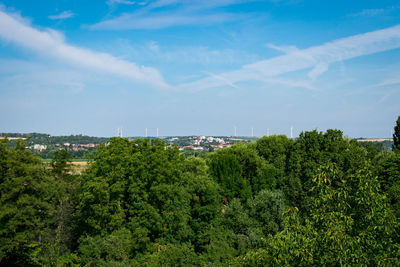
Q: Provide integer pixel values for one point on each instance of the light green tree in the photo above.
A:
(349, 225)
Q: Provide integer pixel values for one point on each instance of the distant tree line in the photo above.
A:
(45, 139)
(49, 152)
(321, 199)
(55, 143)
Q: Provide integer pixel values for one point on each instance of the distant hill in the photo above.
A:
(46, 139)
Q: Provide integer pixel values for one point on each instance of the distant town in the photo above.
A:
(81, 146)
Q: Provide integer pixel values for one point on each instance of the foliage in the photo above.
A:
(150, 190)
(321, 199)
(373, 149)
(227, 171)
(349, 225)
(389, 174)
(26, 206)
(111, 250)
(396, 135)
(46, 139)
(312, 150)
(172, 255)
(275, 150)
(241, 172)
(267, 209)
(60, 162)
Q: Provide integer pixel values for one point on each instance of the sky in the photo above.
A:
(199, 67)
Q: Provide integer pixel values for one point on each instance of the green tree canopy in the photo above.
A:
(313, 149)
(275, 149)
(350, 224)
(396, 135)
(226, 169)
(150, 190)
(27, 196)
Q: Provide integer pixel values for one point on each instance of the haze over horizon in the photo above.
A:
(199, 67)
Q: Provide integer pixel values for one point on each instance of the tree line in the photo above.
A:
(321, 199)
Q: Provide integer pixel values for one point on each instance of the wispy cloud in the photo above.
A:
(369, 13)
(152, 51)
(225, 81)
(385, 97)
(318, 58)
(160, 21)
(284, 49)
(388, 82)
(63, 15)
(51, 43)
(125, 2)
(169, 13)
(319, 69)
(196, 4)
(375, 12)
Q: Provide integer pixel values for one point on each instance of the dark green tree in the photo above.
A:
(60, 162)
(27, 196)
(226, 169)
(110, 250)
(275, 150)
(389, 175)
(373, 150)
(255, 169)
(152, 191)
(396, 135)
(241, 172)
(282, 157)
(65, 232)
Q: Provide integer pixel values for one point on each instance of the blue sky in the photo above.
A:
(199, 67)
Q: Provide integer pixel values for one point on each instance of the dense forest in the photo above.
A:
(321, 199)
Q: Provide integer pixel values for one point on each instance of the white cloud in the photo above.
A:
(125, 2)
(385, 97)
(63, 15)
(284, 49)
(152, 15)
(388, 81)
(198, 4)
(319, 69)
(52, 44)
(369, 13)
(218, 77)
(375, 12)
(179, 55)
(160, 21)
(317, 57)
